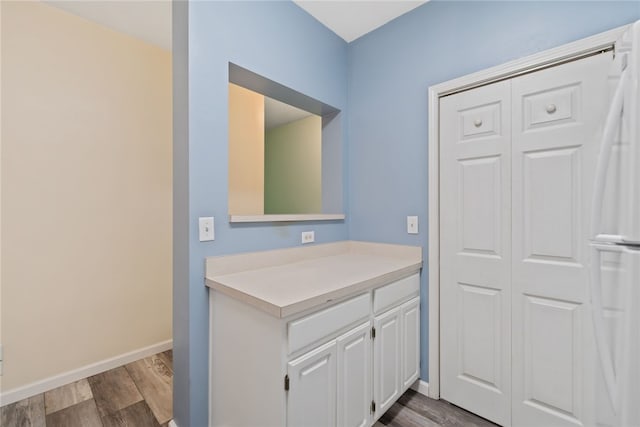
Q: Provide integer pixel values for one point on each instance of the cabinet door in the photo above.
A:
(410, 342)
(387, 360)
(311, 399)
(354, 377)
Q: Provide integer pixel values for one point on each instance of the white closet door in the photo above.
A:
(558, 116)
(475, 251)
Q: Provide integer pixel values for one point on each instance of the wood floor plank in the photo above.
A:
(441, 411)
(114, 390)
(401, 416)
(136, 415)
(67, 395)
(433, 409)
(155, 382)
(24, 413)
(167, 359)
(140, 395)
(461, 418)
(84, 414)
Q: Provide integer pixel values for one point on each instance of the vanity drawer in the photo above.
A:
(329, 321)
(390, 295)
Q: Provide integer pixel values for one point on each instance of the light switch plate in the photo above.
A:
(205, 225)
(412, 224)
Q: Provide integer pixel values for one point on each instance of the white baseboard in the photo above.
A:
(16, 394)
(172, 424)
(421, 387)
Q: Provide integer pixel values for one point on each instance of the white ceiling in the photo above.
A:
(146, 20)
(151, 20)
(278, 113)
(351, 19)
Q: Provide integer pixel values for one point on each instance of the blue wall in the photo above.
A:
(384, 76)
(281, 42)
(390, 71)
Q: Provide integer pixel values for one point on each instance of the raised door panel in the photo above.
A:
(410, 342)
(552, 338)
(551, 197)
(480, 211)
(311, 399)
(479, 337)
(354, 377)
(475, 250)
(387, 360)
(556, 132)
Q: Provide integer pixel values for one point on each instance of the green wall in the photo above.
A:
(293, 167)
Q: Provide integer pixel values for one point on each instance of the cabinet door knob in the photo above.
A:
(477, 123)
(551, 108)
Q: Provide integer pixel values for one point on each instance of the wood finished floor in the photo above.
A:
(135, 395)
(140, 395)
(415, 410)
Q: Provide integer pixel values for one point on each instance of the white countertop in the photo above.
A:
(288, 281)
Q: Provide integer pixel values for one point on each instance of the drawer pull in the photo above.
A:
(477, 123)
(551, 108)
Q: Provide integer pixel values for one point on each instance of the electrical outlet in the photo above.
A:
(308, 237)
(205, 225)
(1, 359)
(412, 224)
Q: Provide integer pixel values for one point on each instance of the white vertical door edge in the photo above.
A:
(434, 245)
(509, 69)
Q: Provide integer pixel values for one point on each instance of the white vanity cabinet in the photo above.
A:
(396, 352)
(410, 342)
(387, 359)
(330, 385)
(311, 386)
(354, 377)
(341, 362)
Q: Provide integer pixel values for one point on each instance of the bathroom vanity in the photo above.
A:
(326, 335)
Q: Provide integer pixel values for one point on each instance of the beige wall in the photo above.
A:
(246, 151)
(86, 193)
(293, 167)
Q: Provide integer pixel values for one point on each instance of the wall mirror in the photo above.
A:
(285, 153)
